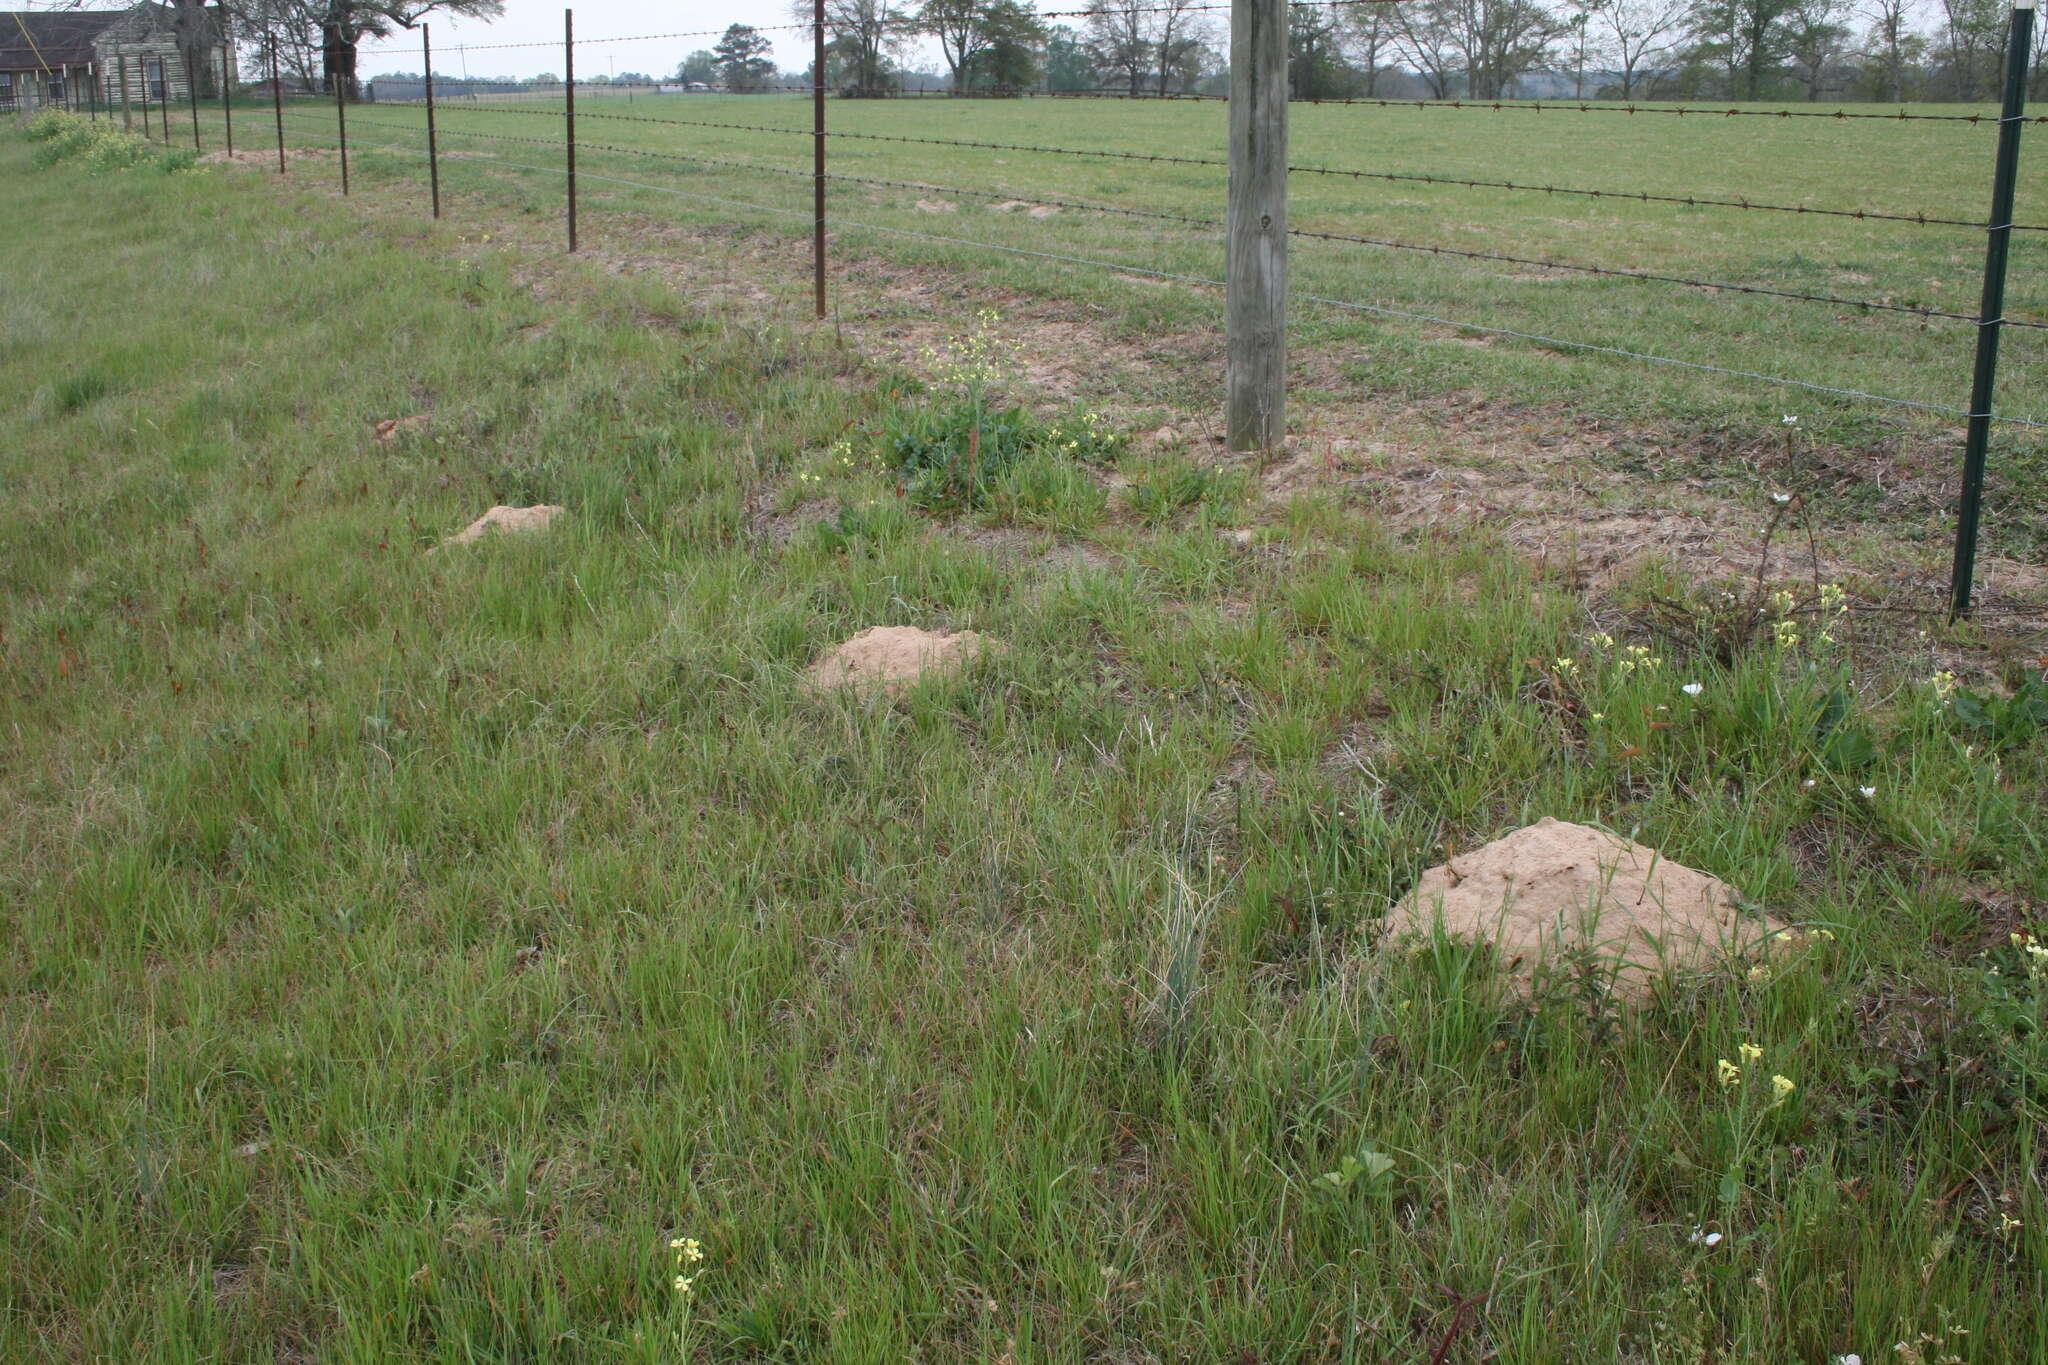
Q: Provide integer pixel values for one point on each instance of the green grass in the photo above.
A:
(401, 949)
(1937, 169)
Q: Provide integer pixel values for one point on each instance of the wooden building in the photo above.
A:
(81, 59)
(144, 49)
(46, 58)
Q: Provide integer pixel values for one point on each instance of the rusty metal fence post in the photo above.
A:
(340, 81)
(192, 98)
(227, 96)
(2019, 49)
(277, 104)
(569, 91)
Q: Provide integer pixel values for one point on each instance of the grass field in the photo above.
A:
(400, 950)
(1937, 169)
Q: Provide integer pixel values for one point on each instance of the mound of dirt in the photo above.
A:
(505, 519)
(890, 659)
(391, 428)
(1555, 888)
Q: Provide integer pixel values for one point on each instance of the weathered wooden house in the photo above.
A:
(80, 58)
(148, 47)
(47, 58)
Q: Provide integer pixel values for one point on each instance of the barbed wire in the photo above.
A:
(883, 92)
(1575, 106)
(1348, 305)
(904, 24)
(1213, 224)
(1403, 177)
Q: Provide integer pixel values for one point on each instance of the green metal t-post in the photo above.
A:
(1991, 314)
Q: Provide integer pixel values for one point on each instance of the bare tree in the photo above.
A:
(1641, 31)
(1814, 39)
(1423, 40)
(1178, 28)
(1972, 34)
(1118, 39)
(865, 35)
(1488, 42)
(1367, 33)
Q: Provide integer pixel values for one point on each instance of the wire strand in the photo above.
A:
(1347, 305)
(1405, 177)
(1867, 305)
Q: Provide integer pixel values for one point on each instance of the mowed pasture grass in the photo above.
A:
(1939, 169)
(401, 949)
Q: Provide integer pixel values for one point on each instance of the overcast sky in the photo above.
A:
(535, 21)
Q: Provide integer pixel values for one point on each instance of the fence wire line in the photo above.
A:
(1574, 106)
(878, 92)
(1628, 196)
(1217, 225)
(1348, 305)
(905, 24)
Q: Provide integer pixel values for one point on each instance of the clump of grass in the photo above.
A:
(77, 391)
(951, 446)
(1172, 487)
(99, 145)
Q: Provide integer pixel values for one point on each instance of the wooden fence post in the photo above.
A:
(1256, 308)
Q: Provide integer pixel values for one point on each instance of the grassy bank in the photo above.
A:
(731, 159)
(401, 950)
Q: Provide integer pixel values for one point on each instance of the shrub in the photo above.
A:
(99, 144)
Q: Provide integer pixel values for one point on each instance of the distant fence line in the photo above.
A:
(1255, 226)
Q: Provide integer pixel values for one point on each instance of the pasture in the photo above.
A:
(401, 950)
(1934, 168)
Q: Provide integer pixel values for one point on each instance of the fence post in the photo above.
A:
(227, 95)
(192, 98)
(569, 91)
(1991, 313)
(64, 75)
(277, 104)
(818, 155)
(433, 159)
(1256, 306)
(163, 96)
(340, 81)
(127, 110)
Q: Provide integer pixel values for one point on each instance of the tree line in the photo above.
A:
(1889, 51)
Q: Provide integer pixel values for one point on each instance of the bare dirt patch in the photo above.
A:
(1552, 893)
(892, 659)
(505, 520)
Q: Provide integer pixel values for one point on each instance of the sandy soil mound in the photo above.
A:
(892, 658)
(391, 428)
(1553, 887)
(506, 519)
